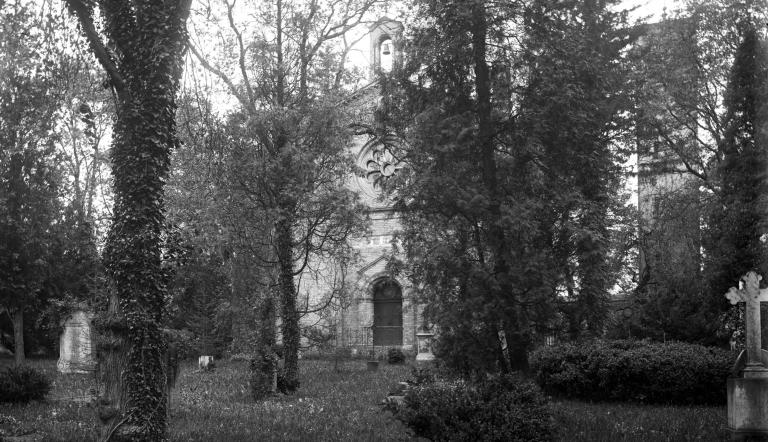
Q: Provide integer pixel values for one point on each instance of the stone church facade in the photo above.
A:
(380, 310)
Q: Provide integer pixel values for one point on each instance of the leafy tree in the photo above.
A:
(511, 194)
(141, 47)
(287, 158)
(29, 177)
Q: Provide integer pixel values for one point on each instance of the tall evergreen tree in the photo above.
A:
(572, 109)
(737, 222)
(513, 174)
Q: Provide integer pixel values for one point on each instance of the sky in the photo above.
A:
(652, 8)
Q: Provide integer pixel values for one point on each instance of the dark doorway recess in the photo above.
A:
(387, 312)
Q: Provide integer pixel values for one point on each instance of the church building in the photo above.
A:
(379, 311)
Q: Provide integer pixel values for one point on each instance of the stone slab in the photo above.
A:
(748, 408)
(75, 344)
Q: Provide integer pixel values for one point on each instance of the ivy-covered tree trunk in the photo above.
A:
(111, 351)
(264, 364)
(18, 335)
(289, 314)
(146, 43)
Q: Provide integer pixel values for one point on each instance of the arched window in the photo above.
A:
(387, 312)
(386, 55)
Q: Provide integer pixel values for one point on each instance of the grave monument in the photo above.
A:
(75, 349)
(748, 391)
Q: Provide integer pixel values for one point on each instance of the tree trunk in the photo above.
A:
(264, 365)
(112, 358)
(290, 316)
(18, 336)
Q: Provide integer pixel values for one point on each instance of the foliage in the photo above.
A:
(30, 178)
(395, 356)
(504, 408)
(199, 289)
(285, 158)
(686, 87)
(634, 371)
(23, 384)
(511, 200)
(263, 369)
(734, 242)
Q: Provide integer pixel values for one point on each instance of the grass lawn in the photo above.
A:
(330, 406)
(612, 422)
(216, 406)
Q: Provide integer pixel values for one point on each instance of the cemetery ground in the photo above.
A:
(331, 405)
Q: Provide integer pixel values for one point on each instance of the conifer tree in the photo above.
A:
(736, 223)
(512, 172)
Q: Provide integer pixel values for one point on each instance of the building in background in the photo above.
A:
(376, 310)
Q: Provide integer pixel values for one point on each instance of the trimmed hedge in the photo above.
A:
(634, 371)
(498, 409)
(23, 384)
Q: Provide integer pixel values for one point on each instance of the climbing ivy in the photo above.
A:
(141, 47)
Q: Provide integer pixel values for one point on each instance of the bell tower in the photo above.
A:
(386, 46)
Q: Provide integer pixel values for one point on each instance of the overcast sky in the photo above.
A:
(649, 7)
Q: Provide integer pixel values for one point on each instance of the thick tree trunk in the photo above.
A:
(18, 336)
(290, 316)
(112, 359)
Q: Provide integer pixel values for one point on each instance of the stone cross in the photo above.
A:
(751, 295)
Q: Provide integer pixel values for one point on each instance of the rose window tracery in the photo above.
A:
(380, 166)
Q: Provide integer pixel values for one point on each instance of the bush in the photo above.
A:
(498, 409)
(23, 384)
(395, 356)
(636, 371)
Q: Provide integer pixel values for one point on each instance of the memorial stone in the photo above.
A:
(75, 344)
(748, 392)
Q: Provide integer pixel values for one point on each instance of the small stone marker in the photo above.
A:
(748, 394)
(75, 344)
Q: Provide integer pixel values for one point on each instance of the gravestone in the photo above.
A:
(748, 392)
(75, 344)
(424, 345)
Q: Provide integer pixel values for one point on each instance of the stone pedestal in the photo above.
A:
(748, 408)
(75, 344)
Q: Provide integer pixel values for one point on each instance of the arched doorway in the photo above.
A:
(387, 312)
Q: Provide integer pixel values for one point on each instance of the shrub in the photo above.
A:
(23, 384)
(498, 409)
(636, 371)
(395, 356)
